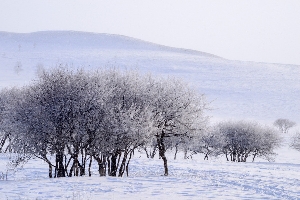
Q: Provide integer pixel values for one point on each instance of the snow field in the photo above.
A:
(188, 179)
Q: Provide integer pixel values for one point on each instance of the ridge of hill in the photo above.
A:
(84, 40)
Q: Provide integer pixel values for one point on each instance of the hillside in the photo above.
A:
(237, 90)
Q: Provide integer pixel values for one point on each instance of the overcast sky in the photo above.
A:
(254, 30)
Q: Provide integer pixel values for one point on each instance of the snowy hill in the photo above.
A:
(238, 90)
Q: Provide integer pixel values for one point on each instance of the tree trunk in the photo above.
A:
(185, 153)
(113, 165)
(60, 165)
(254, 157)
(108, 165)
(81, 169)
(83, 162)
(119, 158)
(76, 165)
(154, 151)
(50, 170)
(101, 165)
(90, 165)
(56, 166)
(245, 157)
(122, 167)
(206, 156)
(162, 151)
(226, 154)
(67, 164)
(176, 150)
(44, 157)
(71, 170)
(102, 168)
(233, 156)
(3, 141)
(128, 162)
(147, 154)
(238, 157)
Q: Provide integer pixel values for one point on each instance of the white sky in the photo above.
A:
(256, 30)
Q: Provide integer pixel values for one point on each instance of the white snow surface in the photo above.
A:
(236, 89)
(194, 180)
(189, 179)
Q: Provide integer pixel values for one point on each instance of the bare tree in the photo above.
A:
(284, 125)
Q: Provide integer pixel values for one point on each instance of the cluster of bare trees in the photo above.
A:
(78, 117)
(238, 141)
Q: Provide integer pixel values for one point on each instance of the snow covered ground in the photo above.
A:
(188, 179)
(239, 90)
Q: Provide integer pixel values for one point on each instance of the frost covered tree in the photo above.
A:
(142, 109)
(79, 116)
(126, 121)
(8, 98)
(46, 117)
(3, 109)
(177, 112)
(295, 143)
(284, 125)
(243, 139)
(211, 143)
